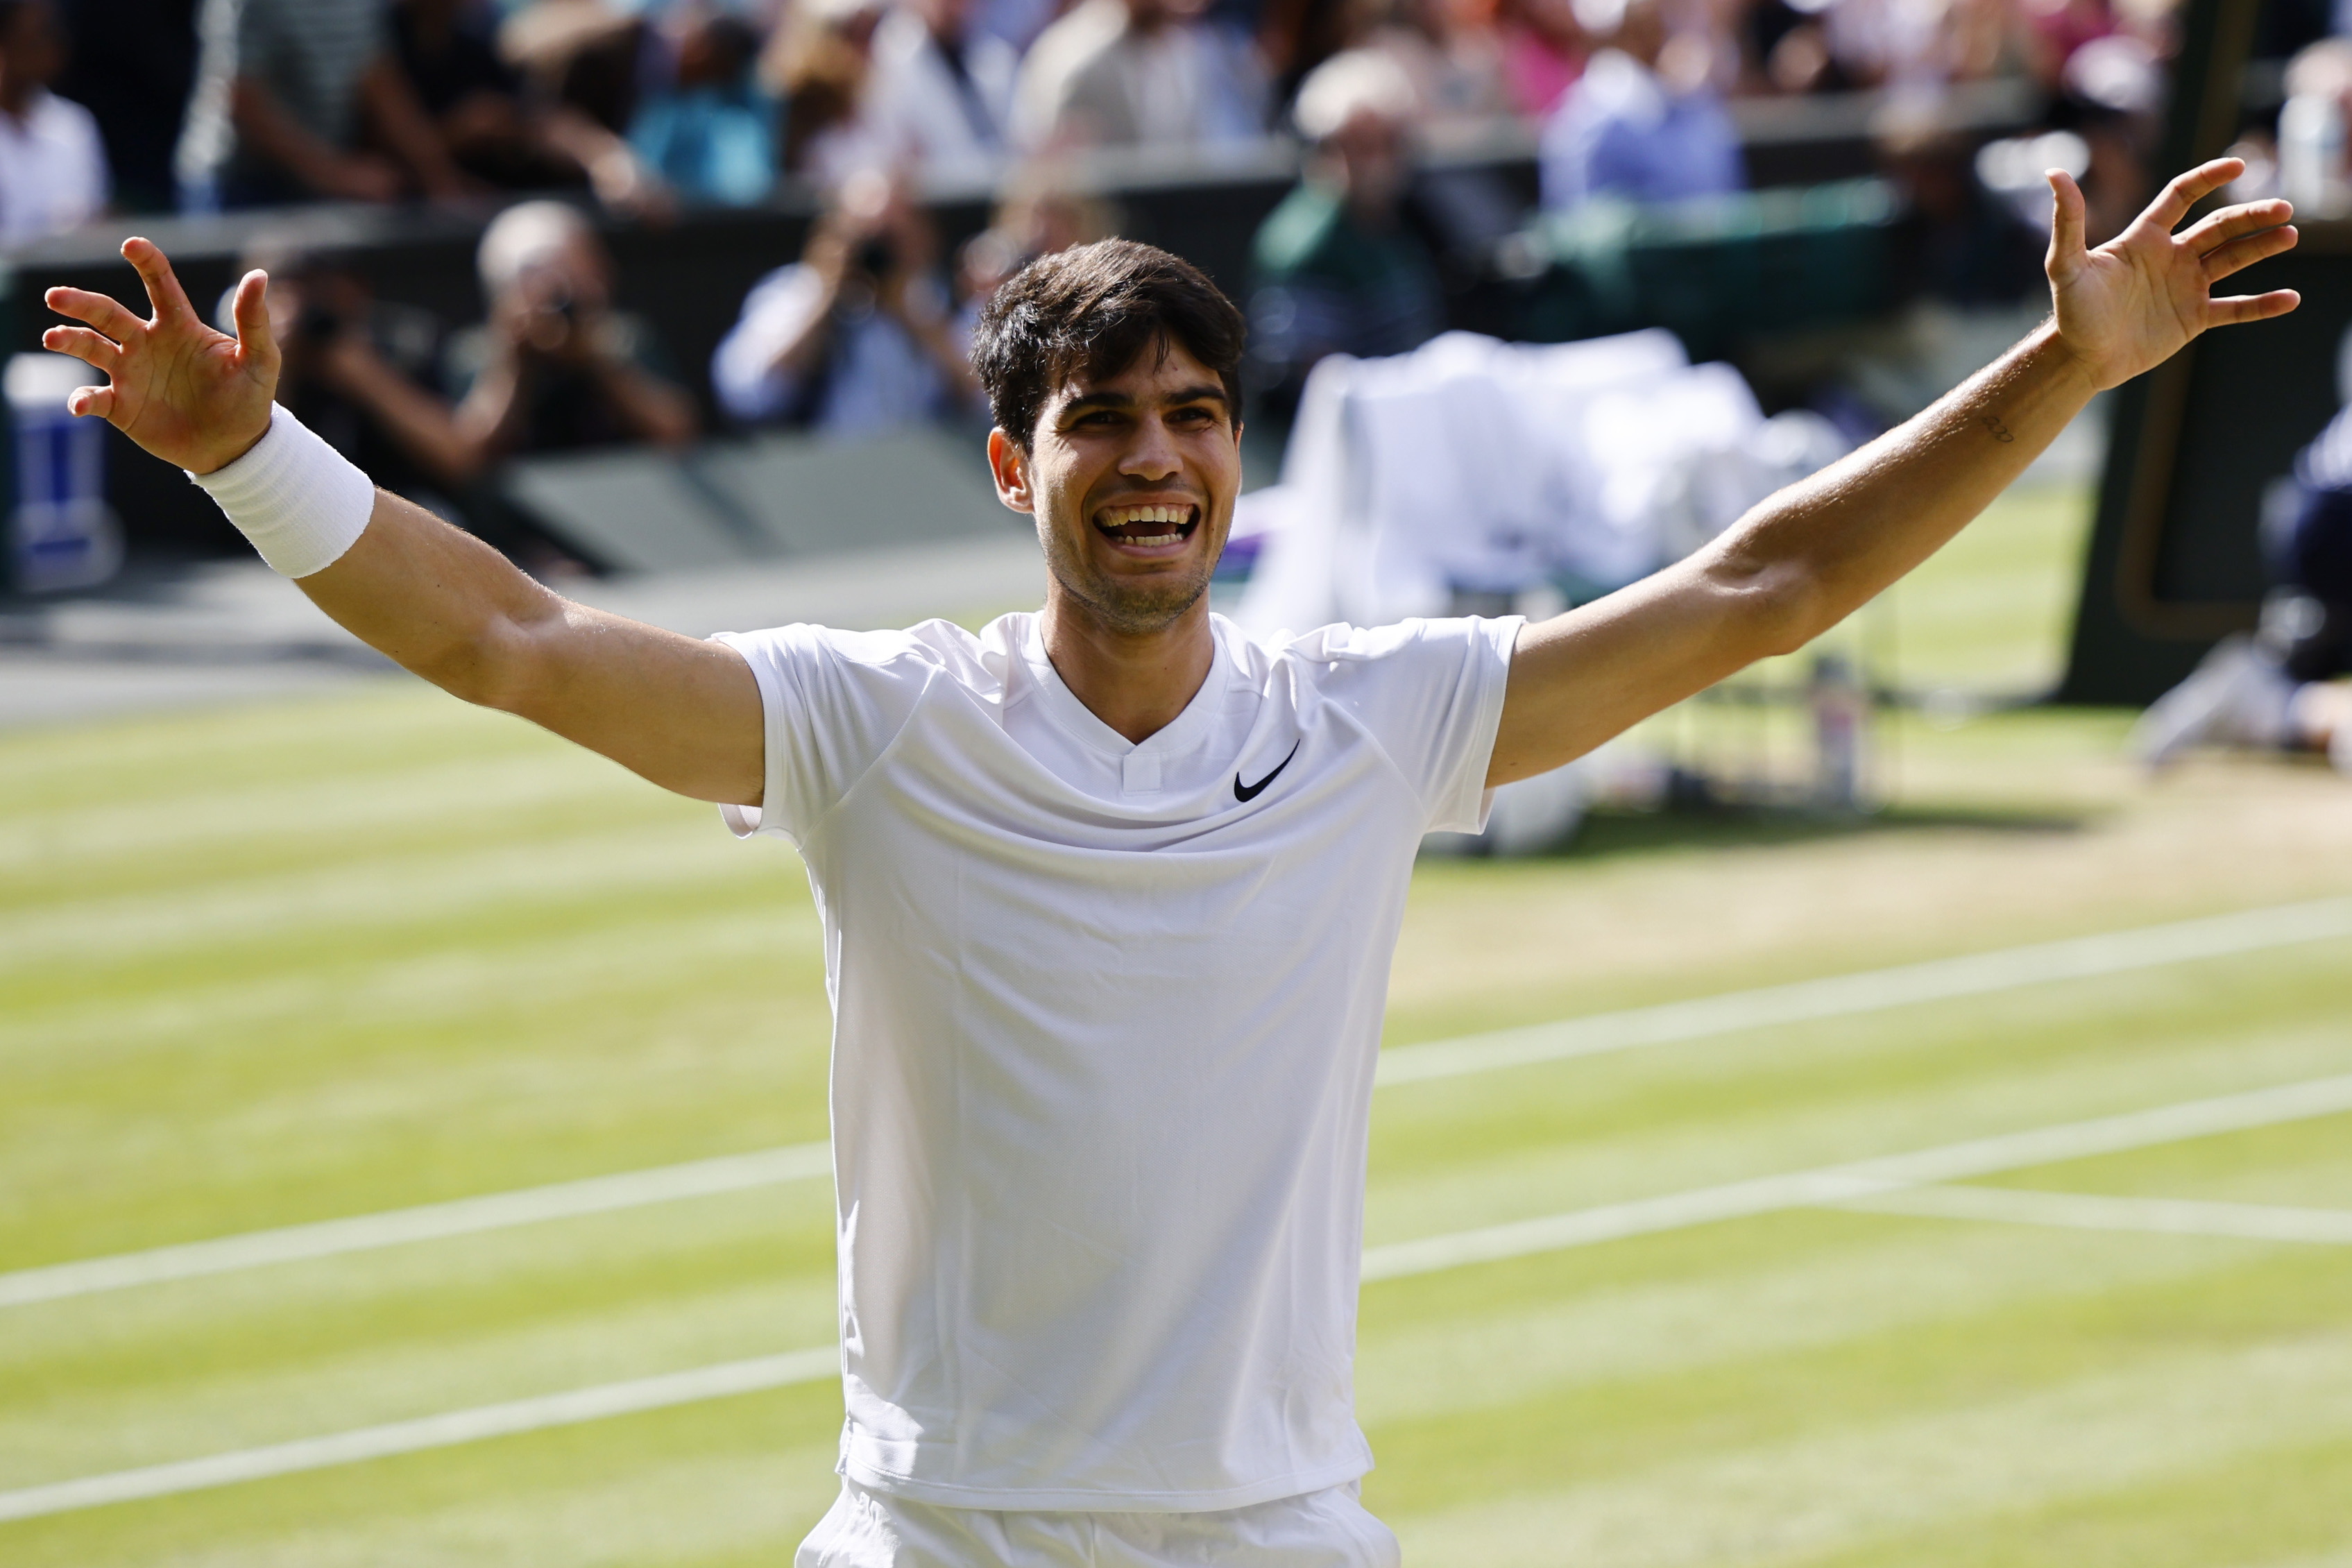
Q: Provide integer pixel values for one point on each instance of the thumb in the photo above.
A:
(2067, 222)
(257, 343)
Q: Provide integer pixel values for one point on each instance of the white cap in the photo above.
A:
(1350, 83)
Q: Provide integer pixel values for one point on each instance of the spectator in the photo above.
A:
(291, 94)
(361, 373)
(941, 95)
(820, 63)
(1544, 50)
(556, 367)
(52, 166)
(1643, 122)
(1128, 73)
(447, 50)
(1458, 71)
(1037, 215)
(1337, 271)
(713, 132)
(854, 338)
(1961, 243)
(132, 65)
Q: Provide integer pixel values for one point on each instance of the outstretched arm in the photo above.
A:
(683, 713)
(1810, 556)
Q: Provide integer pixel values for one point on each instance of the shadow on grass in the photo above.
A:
(1606, 833)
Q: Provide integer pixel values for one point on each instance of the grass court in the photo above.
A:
(274, 964)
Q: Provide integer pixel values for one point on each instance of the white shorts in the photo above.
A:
(1329, 1529)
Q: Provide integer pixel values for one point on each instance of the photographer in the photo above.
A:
(854, 338)
(360, 372)
(556, 366)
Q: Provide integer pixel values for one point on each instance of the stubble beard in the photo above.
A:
(1126, 607)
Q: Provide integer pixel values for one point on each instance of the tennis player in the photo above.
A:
(1109, 891)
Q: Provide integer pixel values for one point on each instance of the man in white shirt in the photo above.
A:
(1109, 891)
(1120, 73)
(53, 172)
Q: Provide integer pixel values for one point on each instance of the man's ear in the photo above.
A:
(1010, 467)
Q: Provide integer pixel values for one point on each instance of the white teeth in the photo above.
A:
(1119, 516)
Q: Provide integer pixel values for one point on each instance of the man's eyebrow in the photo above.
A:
(1207, 391)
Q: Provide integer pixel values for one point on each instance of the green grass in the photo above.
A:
(316, 958)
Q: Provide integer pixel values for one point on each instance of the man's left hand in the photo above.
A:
(2137, 300)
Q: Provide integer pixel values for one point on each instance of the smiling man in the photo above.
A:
(1109, 891)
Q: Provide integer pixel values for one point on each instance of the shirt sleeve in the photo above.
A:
(1431, 693)
(831, 704)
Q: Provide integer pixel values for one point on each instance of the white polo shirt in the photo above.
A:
(1106, 1017)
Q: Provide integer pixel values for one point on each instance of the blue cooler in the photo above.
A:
(61, 533)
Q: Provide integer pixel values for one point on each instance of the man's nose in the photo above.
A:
(1153, 454)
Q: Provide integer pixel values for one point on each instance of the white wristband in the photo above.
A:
(300, 501)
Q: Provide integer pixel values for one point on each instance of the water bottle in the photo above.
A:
(61, 533)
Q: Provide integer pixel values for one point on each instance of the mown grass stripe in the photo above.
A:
(1874, 991)
(1730, 1013)
(1829, 1185)
(426, 1222)
(443, 1431)
(1977, 1157)
(2095, 1211)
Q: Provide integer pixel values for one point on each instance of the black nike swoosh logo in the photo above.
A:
(1251, 792)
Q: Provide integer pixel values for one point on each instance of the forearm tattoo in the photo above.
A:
(2000, 431)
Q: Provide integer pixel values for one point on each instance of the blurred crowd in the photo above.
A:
(633, 109)
(210, 104)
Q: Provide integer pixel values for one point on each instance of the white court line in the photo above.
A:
(455, 1426)
(428, 1222)
(1874, 990)
(1829, 1184)
(2115, 953)
(1833, 1185)
(2094, 1211)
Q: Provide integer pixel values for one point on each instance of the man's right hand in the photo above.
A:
(191, 395)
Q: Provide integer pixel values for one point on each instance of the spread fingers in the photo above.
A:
(105, 313)
(2240, 254)
(2212, 233)
(2241, 308)
(93, 349)
(163, 289)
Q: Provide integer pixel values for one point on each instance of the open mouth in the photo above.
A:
(1148, 526)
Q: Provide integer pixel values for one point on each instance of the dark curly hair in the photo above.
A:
(1090, 311)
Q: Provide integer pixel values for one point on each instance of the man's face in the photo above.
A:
(1131, 480)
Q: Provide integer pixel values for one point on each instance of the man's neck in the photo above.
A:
(1135, 682)
(17, 97)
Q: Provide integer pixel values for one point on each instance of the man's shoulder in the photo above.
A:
(919, 652)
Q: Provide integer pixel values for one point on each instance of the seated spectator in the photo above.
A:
(1336, 269)
(556, 367)
(52, 166)
(1644, 122)
(2282, 689)
(1544, 50)
(854, 339)
(1114, 73)
(1457, 71)
(292, 97)
(711, 134)
(941, 93)
(819, 63)
(448, 52)
(132, 65)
